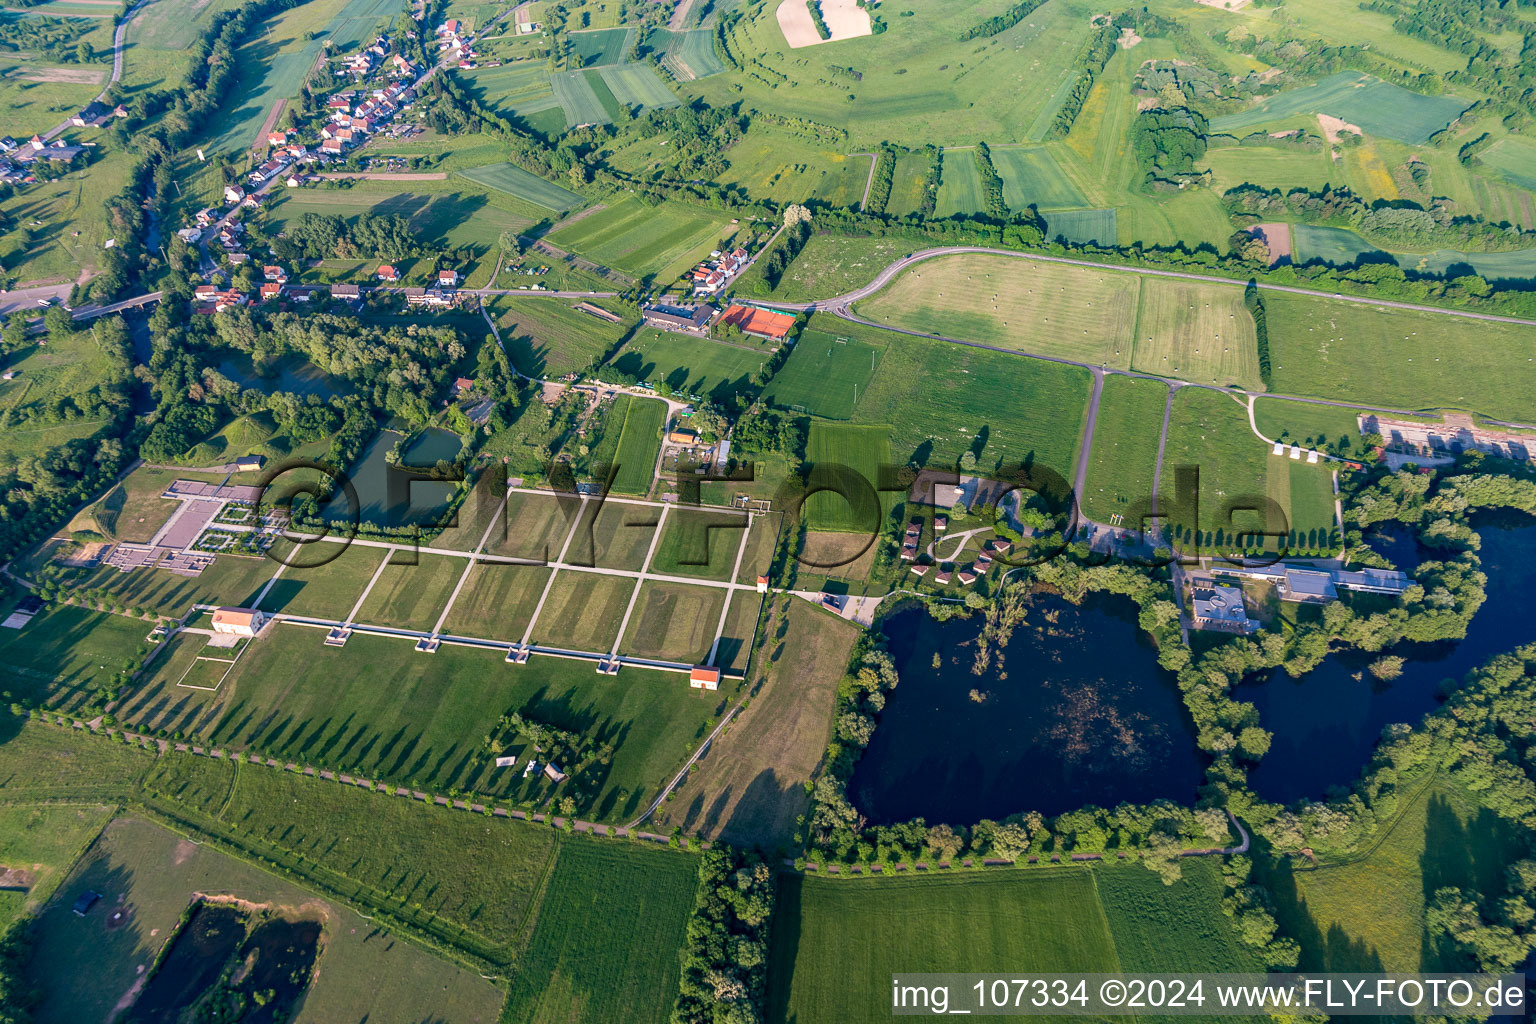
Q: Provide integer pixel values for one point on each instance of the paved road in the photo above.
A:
(840, 302)
(118, 38)
(874, 161)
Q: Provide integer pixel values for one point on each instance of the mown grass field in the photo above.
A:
(1312, 426)
(1124, 456)
(787, 168)
(613, 535)
(655, 242)
(35, 100)
(1196, 332)
(536, 526)
(1332, 349)
(412, 594)
(687, 55)
(43, 840)
(66, 655)
(638, 85)
(1378, 107)
(521, 89)
(750, 785)
(674, 622)
(378, 709)
(907, 184)
(600, 46)
(497, 601)
(583, 611)
(230, 580)
(1031, 177)
(76, 201)
(549, 338)
(630, 441)
(1270, 167)
(835, 264)
(960, 193)
(824, 374)
(940, 400)
(702, 544)
(579, 99)
(43, 763)
(156, 872)
(1366, 913)
(524, 185)
(698, 367)
(1514, 159)
(1084, 227)
(846, 460)
(608, 929)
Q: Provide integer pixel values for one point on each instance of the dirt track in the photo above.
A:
(385, 176)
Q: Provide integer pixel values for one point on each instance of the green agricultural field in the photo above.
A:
(578, 99)
(1513, 159)
(960, 193)
(550, 338)
(1271, 167)
(1339, 246)
(608, 930)
(652, 242)
(1124, 456)
(1041, 308)
(595, 47)
(941, 400)
(836, 264)
(824, 375)
(832, 451)
(1083, 227)
(674, 622)
(786, 168)
(686, 55)
(156, 871)
(1378, 107)
(67, 656)
(1328, 348)
(631, 440)
(1179, 927)
(701, 544)
(1366, 913)
(520, 88)
(907, 184)
(1196, 332)
(1031, 177)
(497, 601)
(689, 366)
(836, 942)
(917, 82)
(529, 187)
(638, 85)
(1519, 265)
(377, 708)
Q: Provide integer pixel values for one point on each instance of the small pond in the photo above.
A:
(388, 497)
(1079, 713)
(290, 373)
(278, 959)
(1326, 723)
(196, 959)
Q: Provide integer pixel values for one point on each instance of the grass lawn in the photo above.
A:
(1196, 332)
(231, 579)
(411, 595)
(156, 872)
(836, 264)
(605, 945)
(836, 942)
(696, 367)
(654, 243)
(325, 591)
(550, 338)
(497, 601)
(67, 655)
(843, 469)
(1399, 358)
(613, 535)
(583, 612)
(674, 622)
(1366, 914)
(824, 374)
(750, 785)
(49, 763)
(46, 375)
(701, 544)
(537, 525)
(735, 648)
(1328, 427)
(942, 399)
(1124, 456)
(42, 841)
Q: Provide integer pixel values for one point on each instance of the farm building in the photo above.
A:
(703, 677)
(238, 621)
(761, 322)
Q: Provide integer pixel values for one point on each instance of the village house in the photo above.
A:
(271, 290)
(274, 273)
(233, 193)
(346, 292)
(447, 278)
(387, 272)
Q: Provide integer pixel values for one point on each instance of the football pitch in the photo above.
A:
(824, 374)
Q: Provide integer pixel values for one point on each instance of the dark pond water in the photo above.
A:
(1080, 714)
(388, 498)
(1326, 723)
(195, 961)
(280, 957)
(290, 373)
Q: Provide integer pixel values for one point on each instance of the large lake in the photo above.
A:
(1326, 723)
(384, 497)
(1080, 713)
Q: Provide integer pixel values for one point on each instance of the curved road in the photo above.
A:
(119, 37)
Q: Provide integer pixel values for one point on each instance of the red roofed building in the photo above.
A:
(387, 272)
(271, 290)
(751, 320)
(702, 677)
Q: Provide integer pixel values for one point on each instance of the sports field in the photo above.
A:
(631, 440)
(548, 338)
(1378, 107)
(1196, 332)
(940, 400)
(846, 460)
(595, 47)
(651, 242)
(716, 370)
(687, 55)
(638, 85)
(604, 948)
(674, 622)
(960, 193)
(1124, 456)
(1031, 177)
(525, 185)
(824, 374)
(1332, 349)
